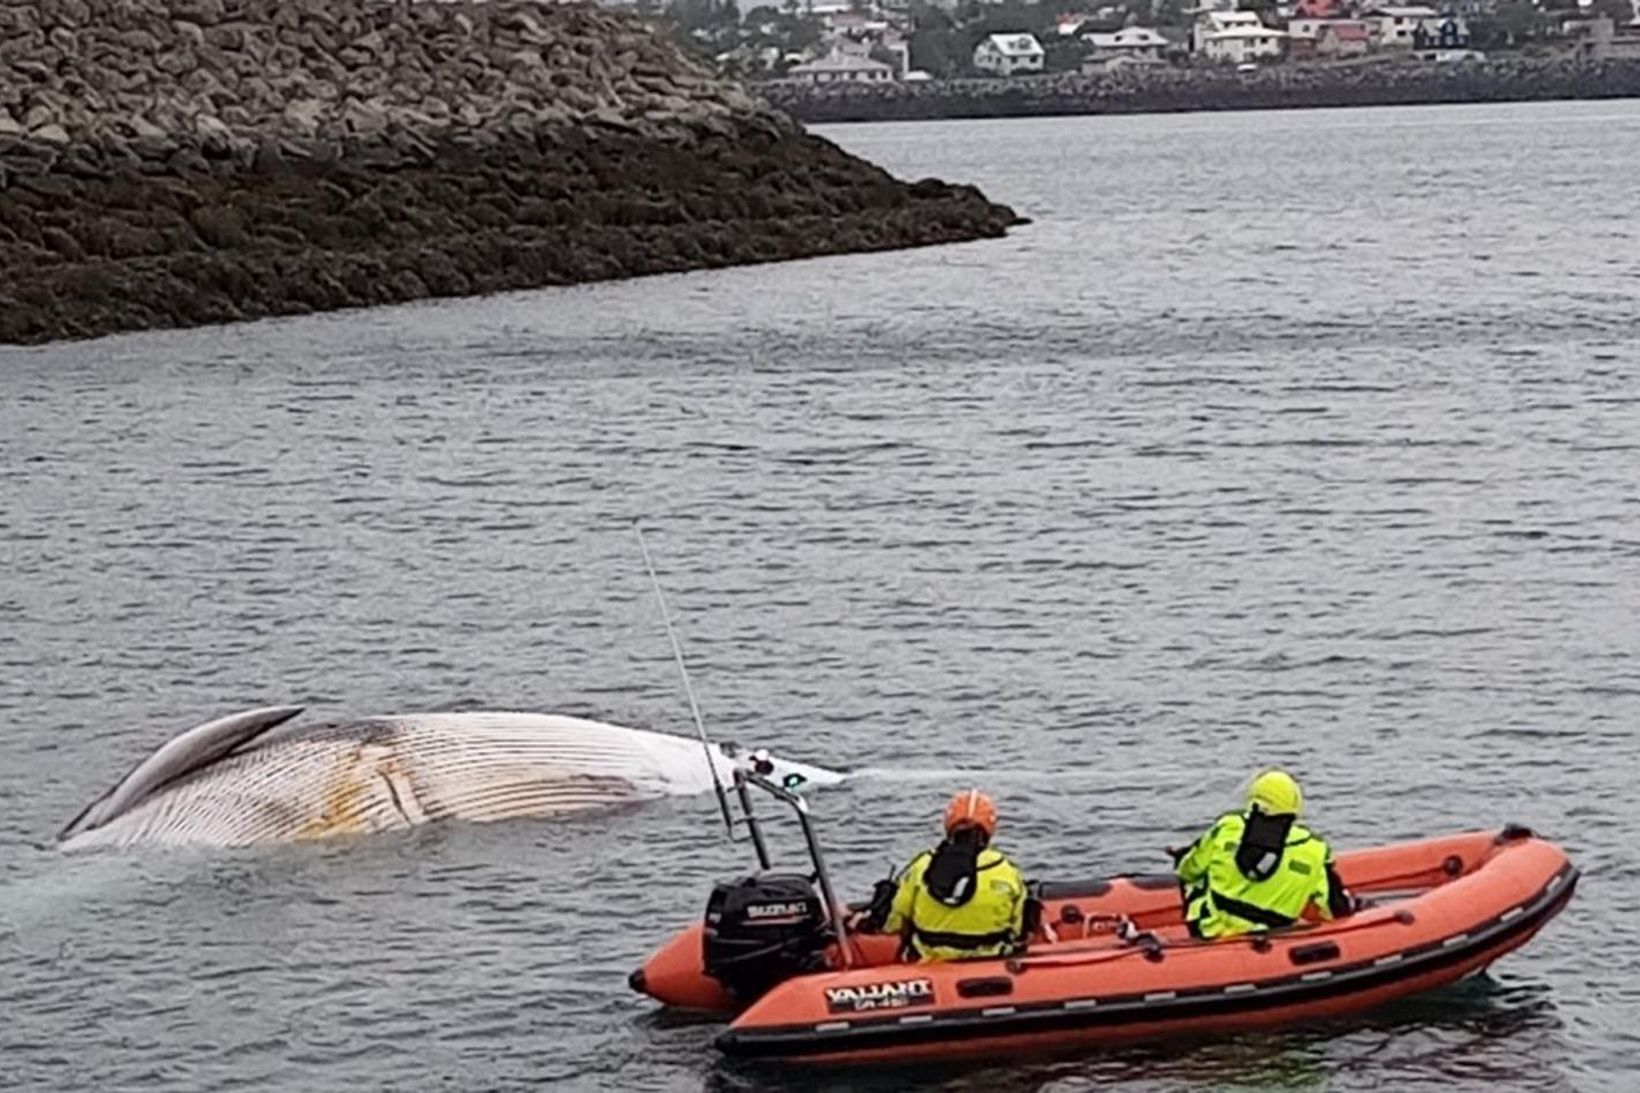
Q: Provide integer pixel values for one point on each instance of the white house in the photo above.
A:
(1127, 42)
(1305, 28)
(1239, 45)
(842, 68)
(1216, 22)
(1395, 28)
(855, 24)
(1236, 36)
(900, 49)
(1006, 54)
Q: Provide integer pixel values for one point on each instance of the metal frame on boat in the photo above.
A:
(805, 819)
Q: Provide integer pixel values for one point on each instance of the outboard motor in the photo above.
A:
(762, 930)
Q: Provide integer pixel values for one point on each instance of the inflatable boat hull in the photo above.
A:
(1441, 910)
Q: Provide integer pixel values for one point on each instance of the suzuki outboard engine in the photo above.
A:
(763, 930)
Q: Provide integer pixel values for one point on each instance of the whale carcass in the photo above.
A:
(261, 777)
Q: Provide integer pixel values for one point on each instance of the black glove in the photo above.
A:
(1340, 900)
(882, 902)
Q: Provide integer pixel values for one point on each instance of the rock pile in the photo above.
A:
(170, 162)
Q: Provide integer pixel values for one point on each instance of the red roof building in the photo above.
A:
(1343, 39)
(1320, 9)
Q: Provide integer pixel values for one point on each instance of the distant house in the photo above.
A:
(1320, 9)
(1217, 22)
(1443, 32)
(1007, 54)
(1236, 37)
(856, 24)
(1127, 42)
(1396, 28)
(1067, 25)
(1342, 39)
(1302, 33)
(842, 68)
(1600, 38)
(899, 48)
(1241, 45)
(1305, 22)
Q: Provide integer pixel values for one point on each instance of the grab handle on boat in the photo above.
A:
(1313, 954)
(991, 986)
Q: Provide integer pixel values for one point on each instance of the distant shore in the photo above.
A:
(1176, 90)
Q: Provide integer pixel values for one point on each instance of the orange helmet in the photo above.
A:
(971, 808)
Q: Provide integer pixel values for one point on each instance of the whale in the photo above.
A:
(264, 776)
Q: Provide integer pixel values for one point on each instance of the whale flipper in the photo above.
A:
(193, 750)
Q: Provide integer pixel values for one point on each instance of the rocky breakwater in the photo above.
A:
(1379, 82)
(176, 162)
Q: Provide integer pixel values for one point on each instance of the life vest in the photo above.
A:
(977, 914)
(1252, 873)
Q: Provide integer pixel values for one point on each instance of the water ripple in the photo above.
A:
(1232, 458)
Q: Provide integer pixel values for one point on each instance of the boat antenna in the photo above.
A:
(688, 688)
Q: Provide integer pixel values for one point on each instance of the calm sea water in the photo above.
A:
(1305, 438)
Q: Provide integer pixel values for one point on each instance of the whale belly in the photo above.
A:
(392, 774)
(298, 790)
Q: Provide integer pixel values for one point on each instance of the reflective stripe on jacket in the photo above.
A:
(1220, 900)
(989, 924)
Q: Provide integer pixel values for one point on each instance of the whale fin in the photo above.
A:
(192, 750)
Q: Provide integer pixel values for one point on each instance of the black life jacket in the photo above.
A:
(1263, 842)
(952, 875)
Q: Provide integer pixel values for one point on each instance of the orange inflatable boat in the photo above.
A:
(1109, 961)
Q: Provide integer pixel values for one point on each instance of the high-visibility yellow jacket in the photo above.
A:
(1221, 900)
(989, 924)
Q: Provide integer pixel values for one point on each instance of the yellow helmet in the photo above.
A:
(1275, 793)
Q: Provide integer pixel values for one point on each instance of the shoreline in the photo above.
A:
(1213, 90)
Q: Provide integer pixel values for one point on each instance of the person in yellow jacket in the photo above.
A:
(1259, 869)
(963, 898)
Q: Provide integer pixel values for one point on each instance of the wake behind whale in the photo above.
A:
(257, 777)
